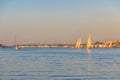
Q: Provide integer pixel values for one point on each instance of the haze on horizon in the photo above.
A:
(58, 21)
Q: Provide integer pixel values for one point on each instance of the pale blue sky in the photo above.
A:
(58, 21)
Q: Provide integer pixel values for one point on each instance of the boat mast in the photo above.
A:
(16, 45)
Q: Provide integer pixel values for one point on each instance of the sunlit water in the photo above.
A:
(59, 64)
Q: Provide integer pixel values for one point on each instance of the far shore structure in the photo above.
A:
(89, 44)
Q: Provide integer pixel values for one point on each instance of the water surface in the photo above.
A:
(59, 64)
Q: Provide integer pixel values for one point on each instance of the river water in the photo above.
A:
(60, 64)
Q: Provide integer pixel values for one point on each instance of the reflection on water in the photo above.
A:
(88, 51)
(59, 64)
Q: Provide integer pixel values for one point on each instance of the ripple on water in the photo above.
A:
(60, 64)
(72, 79)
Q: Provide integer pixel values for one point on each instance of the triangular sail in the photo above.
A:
(89, 42)
(78, 43)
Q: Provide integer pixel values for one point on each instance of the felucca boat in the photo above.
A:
(78, 43)
(17, 47)
(88, 46)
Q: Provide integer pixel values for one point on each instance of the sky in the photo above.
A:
(58, 21)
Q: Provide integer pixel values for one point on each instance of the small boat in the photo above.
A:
(78, 43)
(17, 47)
(88, 46)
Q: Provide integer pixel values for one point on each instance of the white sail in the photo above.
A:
(89, 42)
(78, 43)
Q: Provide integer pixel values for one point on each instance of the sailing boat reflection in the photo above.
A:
(88, 51)
(89, 66)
